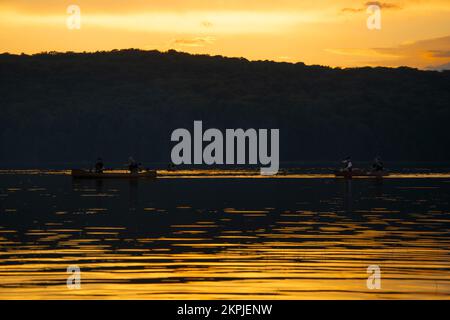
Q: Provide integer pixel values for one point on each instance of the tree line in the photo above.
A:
(69, 107)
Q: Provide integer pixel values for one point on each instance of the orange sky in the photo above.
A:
(414, 33)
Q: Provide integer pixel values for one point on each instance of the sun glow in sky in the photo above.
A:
(414, 33)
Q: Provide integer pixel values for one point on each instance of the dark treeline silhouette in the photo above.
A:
(57, 107)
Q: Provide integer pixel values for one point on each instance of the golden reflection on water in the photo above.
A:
(230, 252)
(274, 266)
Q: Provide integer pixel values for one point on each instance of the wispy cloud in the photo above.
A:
(194, 42)
(207, 24)
(352, 10)
(223, 22)
(423, 54)
(364, 52)
(440, 53)
(382, 5)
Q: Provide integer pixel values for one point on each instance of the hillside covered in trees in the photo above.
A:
(58, 107)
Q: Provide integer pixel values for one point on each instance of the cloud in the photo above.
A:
(194, 42)
(382, 5)
(440, 53)
(363, 52)
(439, 67)
(138, 6)
(352, 10)
(207, 24)
(424, 54)
(193, 22)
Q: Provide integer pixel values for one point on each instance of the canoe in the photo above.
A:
(85, 174)
(360, 173)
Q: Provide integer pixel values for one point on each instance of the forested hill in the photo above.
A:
(57, 107)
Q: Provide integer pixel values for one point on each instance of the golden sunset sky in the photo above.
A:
(413, 33)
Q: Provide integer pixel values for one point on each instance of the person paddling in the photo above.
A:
(99, 166)
(133, 166)
(377, 164)
(348, 164)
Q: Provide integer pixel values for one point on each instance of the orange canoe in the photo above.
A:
(360, 173)
(85, 174)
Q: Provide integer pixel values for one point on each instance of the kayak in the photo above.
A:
(360, 173)
(85, 174)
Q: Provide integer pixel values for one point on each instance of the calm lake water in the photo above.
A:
(224, 236)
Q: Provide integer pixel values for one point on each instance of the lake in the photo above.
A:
(224, 235)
